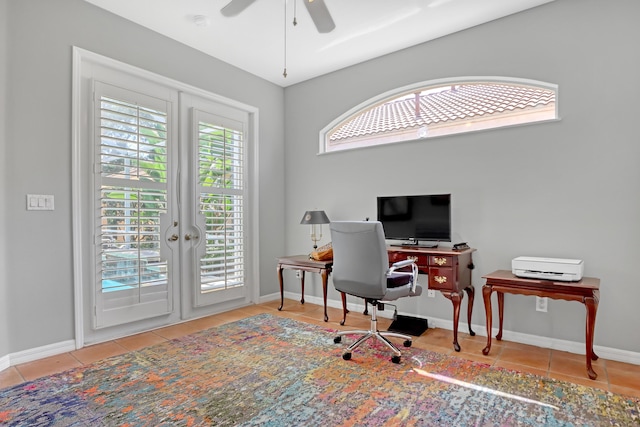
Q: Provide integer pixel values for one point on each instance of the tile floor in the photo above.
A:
(614, 376)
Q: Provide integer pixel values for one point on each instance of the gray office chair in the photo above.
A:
(361, 268)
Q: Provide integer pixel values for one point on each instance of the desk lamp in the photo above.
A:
(315, 219)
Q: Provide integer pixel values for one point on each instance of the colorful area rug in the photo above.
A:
(272, 371)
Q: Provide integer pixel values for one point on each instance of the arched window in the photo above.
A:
(441, 107)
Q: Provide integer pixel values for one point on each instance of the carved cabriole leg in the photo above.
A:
(591, 304)
(456, 299)
(486, 296)
(596, 296)
(325, 279)
(279, 271)
(500, 313)
(471, 293)
(344, 308)
(302, 286)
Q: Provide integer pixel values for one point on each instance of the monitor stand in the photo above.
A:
(415, 244)
(430, 245)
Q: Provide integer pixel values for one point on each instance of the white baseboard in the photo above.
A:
(481, 330)
(41, 352)
(4, 362)
(275, 297)
(539, 341)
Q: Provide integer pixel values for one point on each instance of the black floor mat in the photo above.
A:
(409, 325)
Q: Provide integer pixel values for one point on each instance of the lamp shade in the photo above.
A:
(315, 217)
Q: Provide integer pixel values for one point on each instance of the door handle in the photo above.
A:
(190, 236)
(173, 238)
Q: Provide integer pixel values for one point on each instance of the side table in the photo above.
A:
(304, 263)
(586, 291)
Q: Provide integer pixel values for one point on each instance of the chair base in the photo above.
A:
(373, 332)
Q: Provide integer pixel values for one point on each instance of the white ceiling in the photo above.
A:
(254, 40)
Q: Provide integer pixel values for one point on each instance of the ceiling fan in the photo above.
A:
(317, 9)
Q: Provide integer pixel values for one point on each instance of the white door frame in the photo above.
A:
(87, 65)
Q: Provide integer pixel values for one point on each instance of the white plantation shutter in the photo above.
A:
(220, 190)
(161, 210)
(131, 188)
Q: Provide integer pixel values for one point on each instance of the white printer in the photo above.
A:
(565, 270)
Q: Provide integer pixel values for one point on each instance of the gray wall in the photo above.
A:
(566, 189)
(560, 189)
(4, 320)
(38, 260)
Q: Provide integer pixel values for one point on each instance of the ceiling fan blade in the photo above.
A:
(234, 7)
(320, 15)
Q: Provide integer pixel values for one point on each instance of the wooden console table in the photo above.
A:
(586, 291)
(304, 263)
(448, 271)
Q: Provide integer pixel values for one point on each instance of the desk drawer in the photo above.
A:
(441, 279)
(422, 261)
(440, 261)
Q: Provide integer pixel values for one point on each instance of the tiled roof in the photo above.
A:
(462, 102)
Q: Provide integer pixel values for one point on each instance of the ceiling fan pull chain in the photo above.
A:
(285, 39)
(295, 12)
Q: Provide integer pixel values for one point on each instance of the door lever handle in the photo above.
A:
(190, 236)
(173, 238)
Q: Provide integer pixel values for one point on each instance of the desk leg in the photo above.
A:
(592, 307)
(456, 299)
(279, 271)
(500, 314)
(344, 308)
(325, 280)
(471, 293)
(302, 286)
(486, 296)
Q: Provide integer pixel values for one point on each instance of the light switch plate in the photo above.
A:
(40, 202)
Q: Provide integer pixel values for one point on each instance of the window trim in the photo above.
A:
(390, 94)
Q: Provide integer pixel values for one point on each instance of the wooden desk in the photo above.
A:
(304, 263)
(586, 291)
(448, 271)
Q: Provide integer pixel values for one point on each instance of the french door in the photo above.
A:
(216, 198)
(164, 210)
(136, 262)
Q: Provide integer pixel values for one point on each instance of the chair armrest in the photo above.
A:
(401, 264)
(414, 270)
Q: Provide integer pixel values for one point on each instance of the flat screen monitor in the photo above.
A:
(416, 218)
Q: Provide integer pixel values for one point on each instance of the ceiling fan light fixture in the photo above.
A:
(320, 15)
(317, 9)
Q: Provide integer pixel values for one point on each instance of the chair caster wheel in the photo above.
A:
(395, 359)
(336, 340)
(407, 343)
(346, 356)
